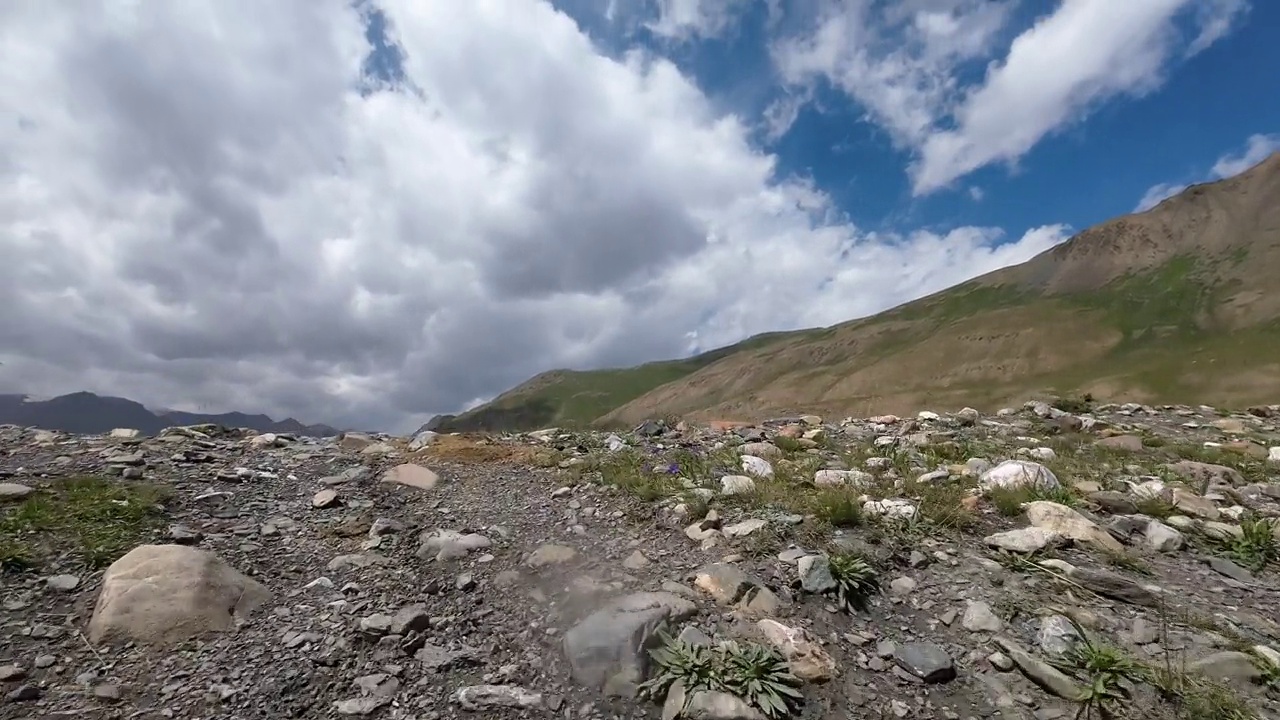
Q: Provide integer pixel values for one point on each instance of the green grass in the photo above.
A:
(577, 398)
(95, 520)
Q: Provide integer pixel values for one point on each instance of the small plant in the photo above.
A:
(759, 675)
(1156, 506)
(856, 581)
(838, 506)
(1106, 671)
(755, 673)
(1008, 500)
(1256, 547)
(694, 666)
(788, 444)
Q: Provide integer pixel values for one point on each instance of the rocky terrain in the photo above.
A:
(1044, 562)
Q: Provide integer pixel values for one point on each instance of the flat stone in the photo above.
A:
(14, 491)
(411, 475)
(927, 661)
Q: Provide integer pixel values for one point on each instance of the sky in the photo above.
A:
(366, 213)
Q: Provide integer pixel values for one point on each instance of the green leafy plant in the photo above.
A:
(755, 673)
(856, 580)
(693, 666)
(1256, 547)
(760, 676)
(1106, 671)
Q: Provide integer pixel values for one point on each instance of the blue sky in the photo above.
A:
(1094, 167)
(368, 213)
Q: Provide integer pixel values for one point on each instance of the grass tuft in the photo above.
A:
(94, 519)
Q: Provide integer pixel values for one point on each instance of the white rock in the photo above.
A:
(757, 466)
(1025, 540)
(1162, 538)
(124, 433)
(1273, 455)
(14, 491)
(736, 485)
(892, 508)
(837, 478)
(1013, 474)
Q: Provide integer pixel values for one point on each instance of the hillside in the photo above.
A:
(85, 412)
(1179, 303)
(578, 397)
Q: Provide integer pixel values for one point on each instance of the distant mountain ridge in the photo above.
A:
(88, 413)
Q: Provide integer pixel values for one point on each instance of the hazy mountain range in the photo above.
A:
(85, 412)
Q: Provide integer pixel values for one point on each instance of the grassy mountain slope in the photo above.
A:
(1180, 304)
(576, 398)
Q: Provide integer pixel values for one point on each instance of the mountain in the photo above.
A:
(87, 413)
(1180, 303)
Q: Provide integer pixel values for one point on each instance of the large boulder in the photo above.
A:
(608, 650)
(165, 594)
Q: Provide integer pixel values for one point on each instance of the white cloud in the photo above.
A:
(976, 193)
(1157, 194)
(1216, 18)
(205, 211)
(897, 62)
(905, 64)
(1256, 149)
(686, 19)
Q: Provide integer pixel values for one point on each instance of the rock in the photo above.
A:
(1162, 538)
(728, 585)
(891, 508)
(1114, 503)
(1057, 636)
(815, 574)
(744, 528)
(324, 499)
(366, 705)
(978, 617)
(736, 485)
(1116, 587)
(805, 657)
(1063, 520)
(756, 466)
(706, 705)
(476, 697)
(608, 649)
(1025, 540)
(13, 491)
(1130, 443)
(1194, 505)
(1014, 474)
(164, 594)
(1206, 473)
(841, 478)
(927, 661)
(1039, 672)
(446, 545)
(63, 583)
(1229, 666)
(411, 475)
(550, 554)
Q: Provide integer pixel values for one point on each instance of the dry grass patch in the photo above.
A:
(478, 449)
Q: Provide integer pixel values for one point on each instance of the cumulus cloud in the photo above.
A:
(1256, 149)
(211, 206)
(906, 64)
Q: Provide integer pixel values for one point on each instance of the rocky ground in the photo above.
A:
(1041, 563)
